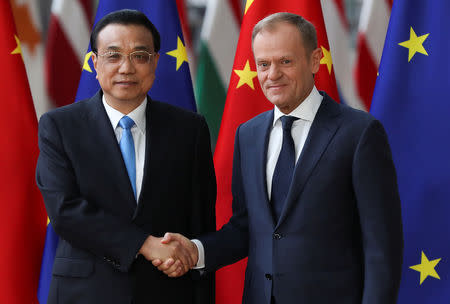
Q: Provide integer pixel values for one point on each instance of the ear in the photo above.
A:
(155, 60)
(315, 57)
(94, 60)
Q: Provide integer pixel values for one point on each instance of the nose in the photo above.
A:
(126, 66)
(274, 72)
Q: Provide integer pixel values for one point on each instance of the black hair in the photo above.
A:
(125, 17)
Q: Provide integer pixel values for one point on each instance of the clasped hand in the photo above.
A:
(173, 254)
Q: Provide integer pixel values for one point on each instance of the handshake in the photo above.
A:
(173, 254)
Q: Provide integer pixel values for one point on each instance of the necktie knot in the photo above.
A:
(287, 122)
(126, 123)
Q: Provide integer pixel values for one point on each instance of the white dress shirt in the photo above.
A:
(306, 112)
(138, 133)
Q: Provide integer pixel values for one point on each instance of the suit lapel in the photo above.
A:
(322, 131)
(154, 133)
(149, 125)
(261, 134)
(108, 148)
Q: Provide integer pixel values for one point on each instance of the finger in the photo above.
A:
(188, 248)
(168, 237)
(173, 268)
(183, 255)
(167, 264)
(191, 251)
(178, 273)
(157, 262)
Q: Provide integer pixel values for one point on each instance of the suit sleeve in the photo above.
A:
(230, 243)
(203, 206)
(73, 217)
(378, 203)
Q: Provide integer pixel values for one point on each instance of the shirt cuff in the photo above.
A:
(201, 254)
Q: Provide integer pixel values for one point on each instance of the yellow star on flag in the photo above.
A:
(86, 66)
(426, 268)
(179, 53)
(247, 5)
(18, 49)
(414, 44)
(326, 59)
(246, 76)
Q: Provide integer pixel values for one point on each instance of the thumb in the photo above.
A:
(168, 237)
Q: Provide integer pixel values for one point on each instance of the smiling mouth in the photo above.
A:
(126, 83)
(275, 87)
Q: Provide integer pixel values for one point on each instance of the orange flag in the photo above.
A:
(246, 100)
(22, 228)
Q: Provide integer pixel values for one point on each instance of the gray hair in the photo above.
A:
(306, 28)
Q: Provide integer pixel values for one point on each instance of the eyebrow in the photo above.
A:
(112, 47)
(290, 57)
(137, 48)
(141, 48)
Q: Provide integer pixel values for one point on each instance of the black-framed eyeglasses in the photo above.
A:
(136, 57)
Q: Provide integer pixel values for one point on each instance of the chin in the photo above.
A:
(127, 94)
(277, 102)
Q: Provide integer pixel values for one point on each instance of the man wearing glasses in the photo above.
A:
(117, 171)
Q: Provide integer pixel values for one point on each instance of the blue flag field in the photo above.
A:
(412, 100)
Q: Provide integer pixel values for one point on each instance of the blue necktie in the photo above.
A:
(127, 147)
(282, 176)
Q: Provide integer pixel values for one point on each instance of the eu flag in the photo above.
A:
(412, 99)
(173, 85)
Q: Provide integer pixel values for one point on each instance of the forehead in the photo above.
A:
(124, 36)
(281, 38)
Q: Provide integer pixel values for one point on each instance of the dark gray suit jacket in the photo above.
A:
(91, 205)
(339, 238)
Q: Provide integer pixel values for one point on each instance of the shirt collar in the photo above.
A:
(306, 110)
(138, 114)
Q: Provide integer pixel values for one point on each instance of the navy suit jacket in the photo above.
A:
(339, 238)
(91, 205)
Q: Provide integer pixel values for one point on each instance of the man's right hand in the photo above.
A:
(173, 256)
(170, 268)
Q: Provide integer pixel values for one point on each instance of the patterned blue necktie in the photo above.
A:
(127, 147)
(282, 175)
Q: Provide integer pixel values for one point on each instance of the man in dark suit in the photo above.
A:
(315, 201)
(118, 170)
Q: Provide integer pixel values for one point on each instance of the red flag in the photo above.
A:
(338, 32)
(67, 41)
(23, 226)
(373, 24)
(244, 101)
(181, 6)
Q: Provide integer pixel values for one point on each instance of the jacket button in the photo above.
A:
(268, 276)
(277, 236)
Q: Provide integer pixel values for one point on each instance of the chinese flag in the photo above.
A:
(22, 225)
(246, 100)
